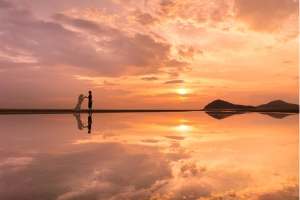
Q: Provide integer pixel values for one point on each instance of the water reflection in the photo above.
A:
(89, 126)
(225, 114)
(277, 115)
(149, 156)
(80, 124)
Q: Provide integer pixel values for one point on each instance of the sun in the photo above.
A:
(182, 91)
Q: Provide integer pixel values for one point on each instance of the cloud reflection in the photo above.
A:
(142, 156)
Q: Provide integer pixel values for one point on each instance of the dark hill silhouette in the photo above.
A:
(278, 105)
(273, 106)
(220, 104)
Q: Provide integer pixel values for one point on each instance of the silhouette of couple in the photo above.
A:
(80, 100)
(78, 107)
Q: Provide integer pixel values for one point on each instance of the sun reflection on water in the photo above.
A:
(183, 128)
(187, 154)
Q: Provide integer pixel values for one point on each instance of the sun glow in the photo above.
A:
(183, 128)
(182, 91)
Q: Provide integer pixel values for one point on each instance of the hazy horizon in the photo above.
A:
(159, 54)
(199, 109)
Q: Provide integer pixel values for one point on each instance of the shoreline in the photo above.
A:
(70, 111)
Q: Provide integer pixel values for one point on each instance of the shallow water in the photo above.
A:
(187, 155)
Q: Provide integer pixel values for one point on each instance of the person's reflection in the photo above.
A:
(89, 126)
(79, 122)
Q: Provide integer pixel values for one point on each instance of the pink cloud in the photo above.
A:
(188, 53)
(145, 19)
(6, 4)
(265, 15)
(175, 137)
(149, 78)
(46, 44)
(174, 82)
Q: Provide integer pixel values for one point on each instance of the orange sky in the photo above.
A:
(137, 54)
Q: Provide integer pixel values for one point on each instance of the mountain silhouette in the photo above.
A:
(278, 105)
(220, 104)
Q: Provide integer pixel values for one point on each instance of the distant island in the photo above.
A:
(220, 104)
(277, 105)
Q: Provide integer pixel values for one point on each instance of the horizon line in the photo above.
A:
(69, 111)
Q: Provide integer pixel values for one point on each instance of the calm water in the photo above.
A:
(149, 156)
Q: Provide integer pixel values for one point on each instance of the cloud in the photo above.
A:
(276, 17)
(279, 194)
(150, 141)
(174, 82)
(85, 24)
(15, 11)
(189, 53)
(122, 1)
(107, 135)
(265, 15)
(191, 167)
(176, 64)
(195, 12)
(96, 48)
(112, 170)
(173, 74)
(220, 11)
(145, 19)
(106, 83)
(140, 50)
(127, 53)
(94, 14)
(16, 161)
(149, 78)
(6, 4)
(288, 62)
(175, 137)
(171, 9)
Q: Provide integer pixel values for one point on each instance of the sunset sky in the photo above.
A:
(148, 54)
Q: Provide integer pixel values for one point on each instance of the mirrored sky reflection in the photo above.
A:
(188, 155)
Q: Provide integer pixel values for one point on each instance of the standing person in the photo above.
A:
(90, 102)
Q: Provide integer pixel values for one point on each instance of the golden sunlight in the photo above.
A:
(182, 91)
(183, 128)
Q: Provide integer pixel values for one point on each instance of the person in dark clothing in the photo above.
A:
(90, 102)
(89, 126)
